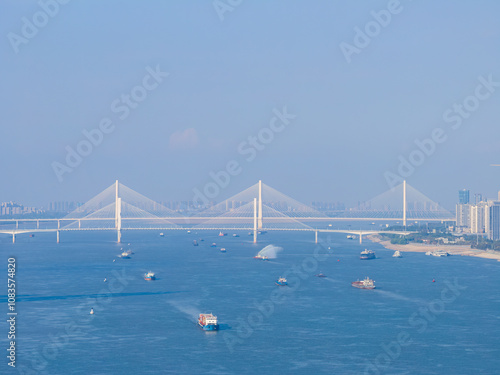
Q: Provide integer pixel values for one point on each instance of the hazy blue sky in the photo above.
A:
(353, 119)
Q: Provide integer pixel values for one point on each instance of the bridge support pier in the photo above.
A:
(17, 224)
(119, 236)
(315, 236)
(38, 224)
(57, 237)
(13, 237)
(255, 220)
(360, 238)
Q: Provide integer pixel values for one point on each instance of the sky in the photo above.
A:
(323, 100)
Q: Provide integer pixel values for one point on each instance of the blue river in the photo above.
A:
(407, 325)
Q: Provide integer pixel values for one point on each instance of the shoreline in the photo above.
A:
(463, 250)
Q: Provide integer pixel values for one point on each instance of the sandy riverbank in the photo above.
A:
(463, 250)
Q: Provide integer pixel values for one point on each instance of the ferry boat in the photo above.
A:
(195, 243)
(364, 284)
(397, 254)
(149, 276)
(282, 281)
(208, 322)
(321, 274)
(223, 250)
(367, 254)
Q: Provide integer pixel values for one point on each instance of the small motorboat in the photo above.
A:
(281, 281)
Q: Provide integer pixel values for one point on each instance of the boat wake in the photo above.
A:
(399, 296)
(186, 308)
(270, 251)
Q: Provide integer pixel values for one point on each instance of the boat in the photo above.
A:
(350, 237)
(189, 231)
(367, 254)
(208, 322)
(236, 235)
(397, 254)
(149, 276)
(440, 253)
(161, 234)
(261, 257)
(321, 274)
(364, 284)
(428, 253)
(195, 243)
(213, 244)
(32, 235)
(222, 234)
(250, 233)
(91, 311)
(125, 255)
(222, 250)
(281, 281)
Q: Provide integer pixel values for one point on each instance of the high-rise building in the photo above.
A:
(463, 196)
(493, 220)
(462, 215)
(477, 217)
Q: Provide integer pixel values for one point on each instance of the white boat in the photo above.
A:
(91, 311)
(440, 253)
(397, 254)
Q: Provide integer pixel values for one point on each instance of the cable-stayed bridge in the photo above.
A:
(257, 208)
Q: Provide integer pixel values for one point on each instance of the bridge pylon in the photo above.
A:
(118, 215)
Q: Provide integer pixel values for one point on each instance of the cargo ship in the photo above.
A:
(208, 322)
(149, 276)
(367, 254)
(282, 281)
(364, 284)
